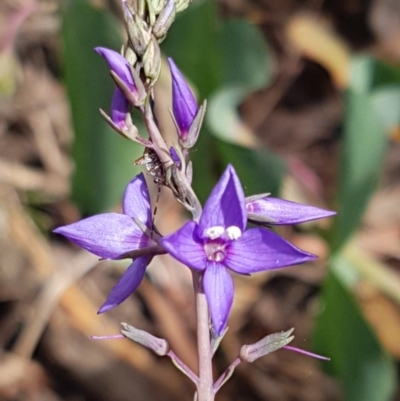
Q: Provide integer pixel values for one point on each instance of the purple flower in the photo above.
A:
(219, 242)
(113, 235)
(119, 105)
(184, 104)
(274, 211)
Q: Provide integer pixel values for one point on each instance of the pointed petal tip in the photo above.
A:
(106, 307)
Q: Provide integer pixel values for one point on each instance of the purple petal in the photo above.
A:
(218, 287)
(185, 246)
(118, 64)
(225, 205)
(119, 108)
(259, 249)
(279, 211)
(127, 284)
(106, 235)
(174, 156)
(136, 200)
(184, 104)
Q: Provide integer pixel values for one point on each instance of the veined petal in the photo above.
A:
(127, 284)
(106, 235)
(184, 104)
(259, 249)
(226, 204)
(118, 64)
(185, 246)
(279, 211)
(119, 108)
(218, 287)
(136, 200)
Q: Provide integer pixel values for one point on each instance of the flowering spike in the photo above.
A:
(274, 211)
(184, 104)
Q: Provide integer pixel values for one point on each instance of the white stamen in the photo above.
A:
(233, 232)
(213, 232)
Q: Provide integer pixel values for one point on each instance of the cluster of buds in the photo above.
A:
(135, 71)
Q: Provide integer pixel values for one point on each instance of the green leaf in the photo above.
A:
(365, 371)
(369, 73)
(260, 171)
(363, 149)
(386, 102)
(103, 160)
(245, 55)
(193, 44)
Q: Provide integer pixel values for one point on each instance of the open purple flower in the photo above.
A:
(219, 243)
(113, 235)
(120, 66)
(184, 103)
(274, 211)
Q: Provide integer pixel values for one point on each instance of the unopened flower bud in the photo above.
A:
(184, 105)
(139, 34)
(265, 209)
(181, 5)
(130, 55)
(157, 345)
(164, 20)
(268, 344)
(152, 60)
(119, 109)
(119, 65)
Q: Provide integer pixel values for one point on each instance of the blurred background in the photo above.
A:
(303, 100)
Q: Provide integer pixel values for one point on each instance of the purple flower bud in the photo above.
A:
(119, 109)
(184, 104)
(265, 209)
(119, 65)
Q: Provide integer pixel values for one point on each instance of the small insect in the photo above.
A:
(153, 164)
(154, 167)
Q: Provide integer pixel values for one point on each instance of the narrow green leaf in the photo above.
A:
(363, 149)
(245, 55)
(365, 371)
(103, 160)
(386, 102)
(193, 44)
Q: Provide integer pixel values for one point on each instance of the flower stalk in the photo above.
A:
(205, 391)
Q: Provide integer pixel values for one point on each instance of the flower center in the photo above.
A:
(217, 240)
(215, 250)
